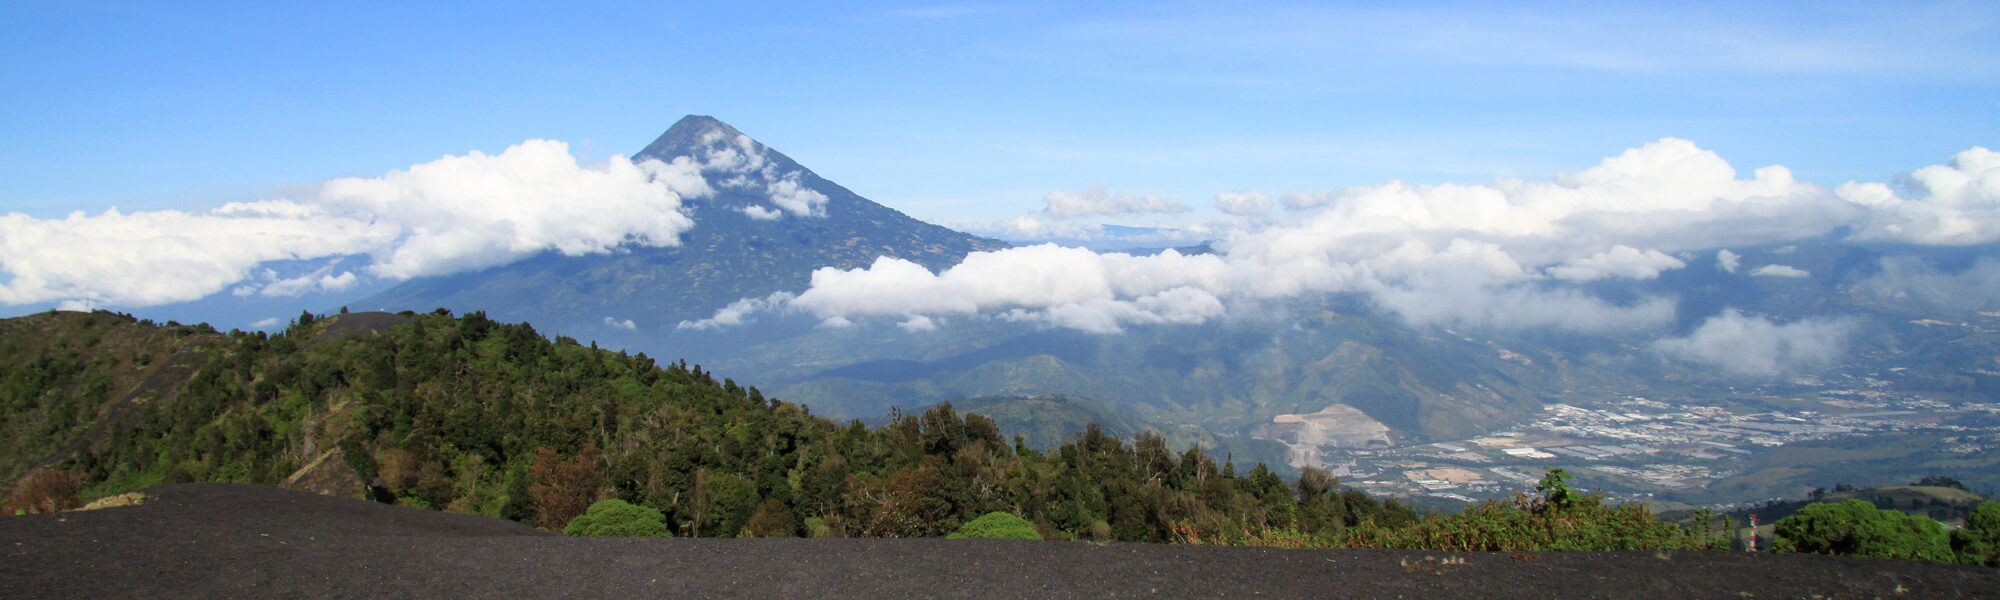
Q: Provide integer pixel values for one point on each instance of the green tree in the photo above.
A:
(772, 519)
(618, 518)
(1979, 541)
(1857, 528)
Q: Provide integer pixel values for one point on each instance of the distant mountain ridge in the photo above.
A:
(768, 224)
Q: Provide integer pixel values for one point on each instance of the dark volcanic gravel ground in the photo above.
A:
(217, 540)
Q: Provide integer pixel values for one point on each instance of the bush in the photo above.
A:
(47, 491)
(618, 518)
(999, 525)
(1560, 519)
(773, 519)
(1979, 542)
(563, 488)
(1857, 528)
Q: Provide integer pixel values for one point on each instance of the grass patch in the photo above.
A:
(125, 499)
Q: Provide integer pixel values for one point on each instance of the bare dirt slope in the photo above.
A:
(216, 540)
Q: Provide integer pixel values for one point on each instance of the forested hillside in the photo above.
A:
(469, 415)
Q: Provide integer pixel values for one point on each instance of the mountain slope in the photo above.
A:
(469, 415)
(767, 225)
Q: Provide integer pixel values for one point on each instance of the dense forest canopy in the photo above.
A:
(462, 413)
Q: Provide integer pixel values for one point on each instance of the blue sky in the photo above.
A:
(958, 112)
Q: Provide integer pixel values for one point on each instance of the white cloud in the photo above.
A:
(738, 312)
(1522, 307)
(1067, 287)
(1620, 261)
(794, 198)
(1098, 201)
(1903, 278)
(1030, 229)
(1728, 261)
(1247, 204)
(1786, 271)
(1956, 204)
(267, 323)
(1497, 254)
(918, 323)
(1181, 305)
(1307, 200)
(625, 324)
(736, 154)
(149, 258)
(1463, 283)
(1667, 195)
(299, 286)
(463, 213)
(454, 214)
(1755, 346)
(741, 162)
(321, 279)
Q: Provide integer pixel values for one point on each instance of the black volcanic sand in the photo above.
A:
(218, 540)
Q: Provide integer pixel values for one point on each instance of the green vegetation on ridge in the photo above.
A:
(470, 415)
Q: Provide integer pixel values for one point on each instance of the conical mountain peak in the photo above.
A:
(690, 136)
(767, 224)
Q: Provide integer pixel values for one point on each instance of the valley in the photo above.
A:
(1692, 452)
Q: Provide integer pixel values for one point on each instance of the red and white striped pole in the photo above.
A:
(1753, 532)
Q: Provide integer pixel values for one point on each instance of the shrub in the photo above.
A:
(360, 460)
(1857, 528)
(125, 499)
(1560, 519)
(563, 488)
(1186, 532)
(817, 527)
(1979, 542)
(773, 519)
(999, 525)
(47, 491)
(618, 518)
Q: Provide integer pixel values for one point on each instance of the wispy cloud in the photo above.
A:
(1099, 201)
(1243, 204)
(1783, 271)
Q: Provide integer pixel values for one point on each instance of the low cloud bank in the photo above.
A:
(1507, 253)
(1755, 346)
(1907, 279)
(455, 214)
